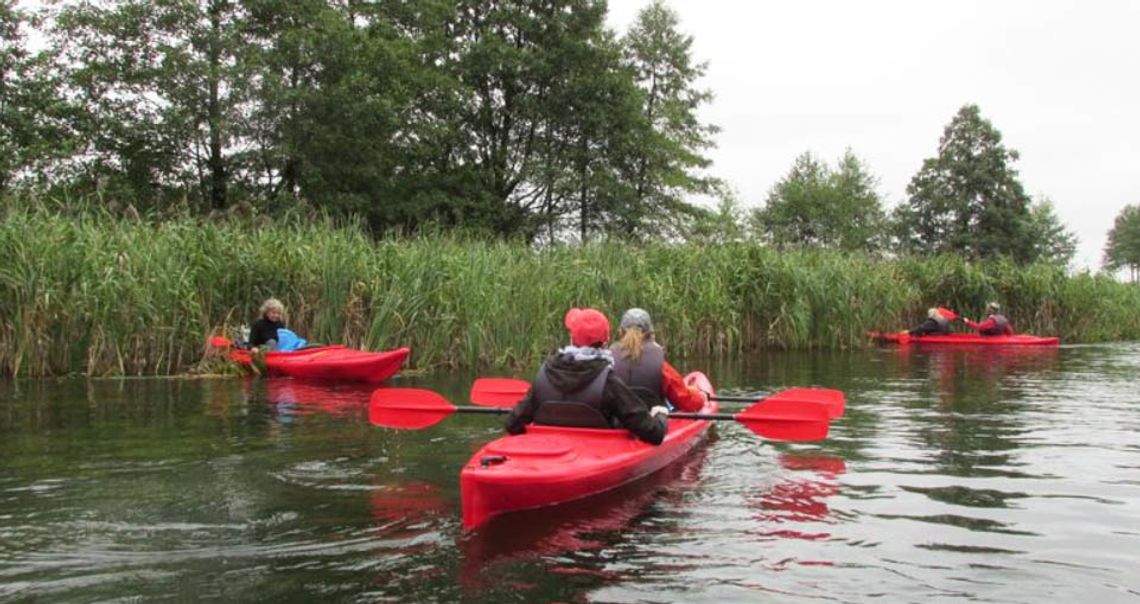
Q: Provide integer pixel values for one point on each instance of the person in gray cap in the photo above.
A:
(577, 387)
(640, 362)
(995, 324)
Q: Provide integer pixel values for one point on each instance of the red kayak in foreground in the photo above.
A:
(971, 339)
(330, 363)
(549, 465)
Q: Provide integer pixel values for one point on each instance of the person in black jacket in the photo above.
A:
(263, 332)
(576, 387)
(937, 323)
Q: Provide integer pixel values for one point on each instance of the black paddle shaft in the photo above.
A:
(677, 415)
(489, 410)
(709, 416)
(741, 399)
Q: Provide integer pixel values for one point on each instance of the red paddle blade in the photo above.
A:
(220, 342)
(833, 400)
(786, 420)
(498, 392)
(407, 408)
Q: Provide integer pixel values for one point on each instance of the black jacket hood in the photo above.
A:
(568, 374)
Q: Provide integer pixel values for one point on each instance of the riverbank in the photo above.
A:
(104, 296)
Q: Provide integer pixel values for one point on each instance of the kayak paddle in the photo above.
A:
(415, 408)
(832, 400)
(498, 392)
(774, 419)
(220, 342)
(506, 392)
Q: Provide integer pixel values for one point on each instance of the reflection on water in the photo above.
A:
(1007, 474)
(578, 530)
(799, 498)
(291, 398)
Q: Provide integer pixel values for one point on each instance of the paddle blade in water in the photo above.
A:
(407, 408)
(786, 420)
(498, 392)
(833, 400)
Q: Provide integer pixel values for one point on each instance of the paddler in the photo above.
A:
(937, 322)
(995, 324)
(576, 386)
(640, 362)
(269, 333)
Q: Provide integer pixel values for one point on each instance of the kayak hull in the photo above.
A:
(549, 465)
(968, 339)
(330, 363)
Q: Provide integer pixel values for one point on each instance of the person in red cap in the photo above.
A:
(576, 387)
(640, 362)
(937, 323)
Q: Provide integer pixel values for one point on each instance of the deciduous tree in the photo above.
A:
(669, 160)
(815, 205)
(1053, 241)
(968, 198)
(158, 84)
(1123, 248)
(34, 119)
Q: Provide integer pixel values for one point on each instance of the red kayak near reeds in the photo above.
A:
(971, 339)
(330, 363)
(333, 362)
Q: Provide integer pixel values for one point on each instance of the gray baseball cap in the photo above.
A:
(637, 317)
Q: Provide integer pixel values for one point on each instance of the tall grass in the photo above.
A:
(85, 292)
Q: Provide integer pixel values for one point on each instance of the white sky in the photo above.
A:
(1059, 80)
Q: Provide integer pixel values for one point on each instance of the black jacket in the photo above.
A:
(262, 331)
(931, 327)
(618, 401)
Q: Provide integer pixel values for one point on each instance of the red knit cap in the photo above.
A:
(587, 326)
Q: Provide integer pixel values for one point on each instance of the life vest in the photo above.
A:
(581, 408)
(643, 376)
(943, 326)
(1000, 328)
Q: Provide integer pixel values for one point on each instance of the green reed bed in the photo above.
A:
(84, 292)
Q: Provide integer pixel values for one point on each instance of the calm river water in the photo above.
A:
(983, 475)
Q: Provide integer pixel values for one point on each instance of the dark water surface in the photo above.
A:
(978, 475)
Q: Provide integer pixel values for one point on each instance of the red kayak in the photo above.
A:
(330, 363)
(971, 339)
(549, 465)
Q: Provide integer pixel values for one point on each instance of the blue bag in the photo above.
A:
(288, 341)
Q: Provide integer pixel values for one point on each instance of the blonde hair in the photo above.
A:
(934, 314)
(632, 342)
(271, 304)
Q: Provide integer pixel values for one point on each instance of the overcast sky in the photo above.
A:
(1059, 80)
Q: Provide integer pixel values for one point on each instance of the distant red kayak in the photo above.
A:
(549, 465)
(331, 363)
(971, 339)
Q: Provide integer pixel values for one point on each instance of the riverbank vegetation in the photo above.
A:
(451, 176)
(98, 294)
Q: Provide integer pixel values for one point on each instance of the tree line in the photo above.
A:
(525, 119)
(510, 117)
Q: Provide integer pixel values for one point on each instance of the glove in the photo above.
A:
(659, 411)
